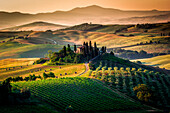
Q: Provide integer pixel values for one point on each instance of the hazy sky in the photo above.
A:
(36, 6)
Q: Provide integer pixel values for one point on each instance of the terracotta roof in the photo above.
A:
(81, 47)
(46, 58)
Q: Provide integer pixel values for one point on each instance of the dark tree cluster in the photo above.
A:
(135, 54)
(123, 29)
(90, 52)
(165, 34)
(5, 90)
(64, 55)
(41, 60)
(84, 27)
(29, 78)
(51, 74)
(149, 42)
(9, 95)
(145, 26)
(80, 54)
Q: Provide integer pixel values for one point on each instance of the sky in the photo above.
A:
(39, 6)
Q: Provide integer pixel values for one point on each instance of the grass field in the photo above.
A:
(7, 63)
(17, 50)
(31, 49)
(159, 27)
(114, 40)
(104, 35)
(161, 61)
(12, 68)
(153, 48)
(82, 94)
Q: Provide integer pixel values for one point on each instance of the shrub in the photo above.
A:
(25, 93)
(51, 74)
(121, 35)
(143, 93)
(111, 53)
(131, 35)
(92, 66)
(40, 61)
(45, 75)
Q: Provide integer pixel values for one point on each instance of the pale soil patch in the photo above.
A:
(23, 41)
(6, 63)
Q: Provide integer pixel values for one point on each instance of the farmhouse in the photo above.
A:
(80, 49)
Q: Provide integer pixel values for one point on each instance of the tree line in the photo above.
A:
(77, 55)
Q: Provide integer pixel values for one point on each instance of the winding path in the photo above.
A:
(87, 68)
(53, 41)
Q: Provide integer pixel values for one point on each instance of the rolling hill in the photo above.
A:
(146, 19)
(36, 26)
(161, 61)
(128, 37)
(94, 14)
(18, 50)
(117, 28)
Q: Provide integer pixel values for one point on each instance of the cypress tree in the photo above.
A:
(64, 50)
(68, 49)
(161, 34)
(75, 48)
(84, 52)
(87, 48)
(105, 49)
(90, 46)
(95, 49)
(45, 75)
(102, 48)
(68, 45)
(92, 53)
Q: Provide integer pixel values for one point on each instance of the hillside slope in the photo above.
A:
(161, 61)
(17, 50)
(146, 19)
(36, 26)
(118, 28)
(83, 94)
(98, 27)
(112, 36)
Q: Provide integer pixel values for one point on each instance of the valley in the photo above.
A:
(113, 62)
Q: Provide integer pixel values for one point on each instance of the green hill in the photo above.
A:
(124, 76)
(98, 27)
(108, 60)
(83, 94)
(118, 28)
(17, 50)
(128, 37)
(161, 61)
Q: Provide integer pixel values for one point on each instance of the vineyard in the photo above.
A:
(109, 60)
(83, 94)
(125, 79)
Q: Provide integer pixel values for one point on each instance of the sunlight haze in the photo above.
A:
(39, 6)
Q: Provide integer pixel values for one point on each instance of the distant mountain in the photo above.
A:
(36, 26)
(117, 28)
(94, 14)
(146, 19)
